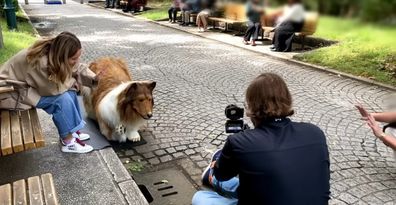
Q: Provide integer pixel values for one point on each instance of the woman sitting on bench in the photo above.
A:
(202, 17)
(48, 75)
(291, 21)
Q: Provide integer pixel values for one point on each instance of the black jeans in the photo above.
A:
(172, 12)
(252, 31)
(284, 34)
(112, 2)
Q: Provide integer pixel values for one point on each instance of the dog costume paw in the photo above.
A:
(134, 137)
(120, 130)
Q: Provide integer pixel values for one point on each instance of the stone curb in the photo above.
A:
(127, 185)
(306, 65)
(36, 34)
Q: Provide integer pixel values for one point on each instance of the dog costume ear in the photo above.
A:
(151, 85)
(131, 89)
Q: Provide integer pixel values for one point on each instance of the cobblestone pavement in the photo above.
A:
(196, 79)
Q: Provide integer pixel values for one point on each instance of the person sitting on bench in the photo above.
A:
(48, 75)
(279, 162)
(254, 12)
(202, 17)
(172, 12)
(290, 22)
(190, 7)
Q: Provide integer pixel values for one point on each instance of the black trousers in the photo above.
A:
(284, 34)
(172, 12)
(252, 31)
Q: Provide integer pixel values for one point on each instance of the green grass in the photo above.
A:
(14, 41)
(158, 10)
(366, 50)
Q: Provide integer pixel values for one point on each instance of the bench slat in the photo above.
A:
(6, 89)
(16, 135)
(19, 192)
(38, 135)
(35, 197)
(27, 130)
(49, 189)
(5, 194)
(6, 147)
(226, 20)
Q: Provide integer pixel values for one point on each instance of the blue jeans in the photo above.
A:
(65, 112)
(225, 194)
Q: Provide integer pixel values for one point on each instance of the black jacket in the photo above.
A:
(279, 163)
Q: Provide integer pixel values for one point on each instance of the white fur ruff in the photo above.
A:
(108, 113)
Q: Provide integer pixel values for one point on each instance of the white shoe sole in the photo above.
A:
(86, 150)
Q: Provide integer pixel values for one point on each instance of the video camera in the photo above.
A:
(235, 122)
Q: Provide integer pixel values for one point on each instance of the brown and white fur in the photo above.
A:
(119, 105)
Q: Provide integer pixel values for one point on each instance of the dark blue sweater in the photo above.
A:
(278, 163)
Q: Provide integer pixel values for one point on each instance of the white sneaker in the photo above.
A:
(81, 137)
(76, 146)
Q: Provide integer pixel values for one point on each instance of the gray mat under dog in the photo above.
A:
(98, 141)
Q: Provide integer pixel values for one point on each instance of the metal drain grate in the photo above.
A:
(167, 186)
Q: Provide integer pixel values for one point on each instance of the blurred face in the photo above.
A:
(75, 58)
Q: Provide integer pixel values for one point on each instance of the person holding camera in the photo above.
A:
(278, 162)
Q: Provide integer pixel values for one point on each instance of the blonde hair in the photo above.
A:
(58, 50)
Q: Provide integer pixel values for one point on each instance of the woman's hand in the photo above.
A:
(371, 122)
(363, 112)
(377, 131)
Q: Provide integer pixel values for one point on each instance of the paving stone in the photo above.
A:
(166, 158)
(154, 161)
(348, 198)
(178, 155)
(181, 148)
(159, 152)
(171, 150)
(136, 158)
(129, 152)
(189, 152)
(148, 155)
(202, 164)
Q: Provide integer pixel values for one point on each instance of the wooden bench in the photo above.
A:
(19, 130)
(309, 27)
(233, 14)
(37, 190)
(141, 4)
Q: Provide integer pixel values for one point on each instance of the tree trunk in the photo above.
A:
(321, 6)
(1, 38)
